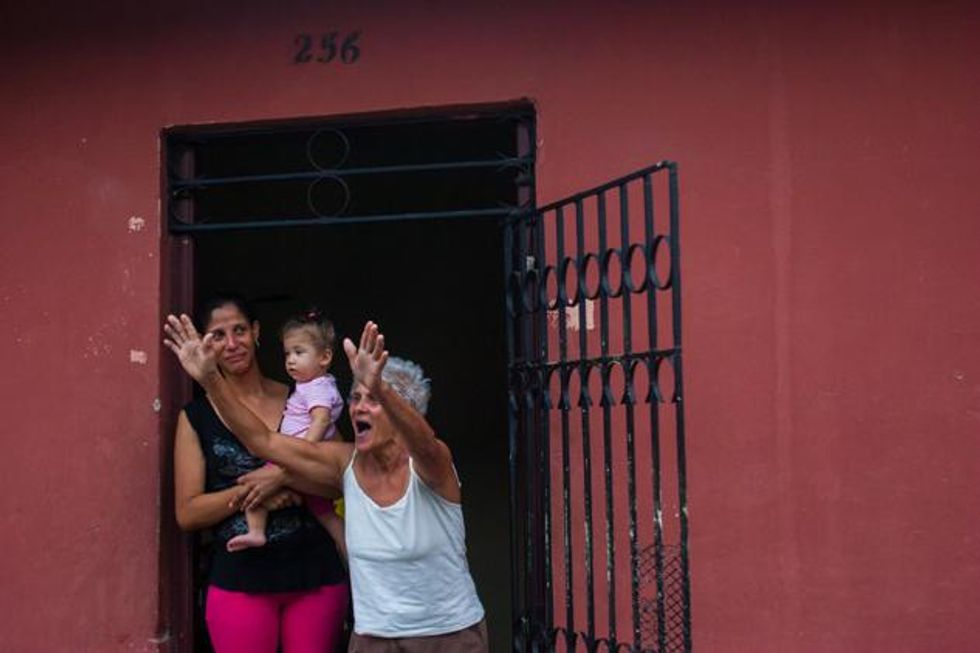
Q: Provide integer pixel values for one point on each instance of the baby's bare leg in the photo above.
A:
(256, 518)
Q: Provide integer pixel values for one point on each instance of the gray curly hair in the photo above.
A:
(408, 380)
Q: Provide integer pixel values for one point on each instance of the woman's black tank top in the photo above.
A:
(299, 554)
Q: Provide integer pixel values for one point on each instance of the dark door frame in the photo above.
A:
(176, 623)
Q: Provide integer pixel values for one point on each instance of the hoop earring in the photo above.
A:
(256, 343)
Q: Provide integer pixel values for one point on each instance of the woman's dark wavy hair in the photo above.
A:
(202, 316)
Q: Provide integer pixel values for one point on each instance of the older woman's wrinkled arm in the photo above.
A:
(310, 465)
(267, 480)
(432, 457)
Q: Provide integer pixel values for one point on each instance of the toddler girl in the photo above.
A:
(311, 411)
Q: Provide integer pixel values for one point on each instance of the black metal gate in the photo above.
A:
(597, 458)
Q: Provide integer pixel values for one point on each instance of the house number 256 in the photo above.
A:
(328, 47)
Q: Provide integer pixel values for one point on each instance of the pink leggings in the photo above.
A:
(308, 622)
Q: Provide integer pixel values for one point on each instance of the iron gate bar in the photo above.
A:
(179, 227)
(675, 272)
(541, 510)
(627, 298)
(528, 427)
(585, 403)
(653, 335)
(512, 445)
(563, 404)
(535, 534)
(606, 405)
(520, 339)
(206, 182)
(544, 440)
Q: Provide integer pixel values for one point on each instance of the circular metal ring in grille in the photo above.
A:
(637, 260)
(328, 196)
(327, 141)
(612, 267)
(530, 295)
(550, 293)
(589, 277)
(568, 277)
(655, 248)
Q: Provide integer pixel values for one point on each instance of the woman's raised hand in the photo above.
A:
(368, 358)
(198, 357)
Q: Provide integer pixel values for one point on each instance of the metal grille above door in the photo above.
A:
(456, 164)
(599, 512)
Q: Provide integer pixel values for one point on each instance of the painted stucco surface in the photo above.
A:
(830, 247)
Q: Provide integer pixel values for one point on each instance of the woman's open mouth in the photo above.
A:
(361, 428)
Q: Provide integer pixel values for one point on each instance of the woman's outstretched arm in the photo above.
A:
(321, 462)
(266, 481)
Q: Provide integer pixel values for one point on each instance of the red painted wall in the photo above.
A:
(830, 250)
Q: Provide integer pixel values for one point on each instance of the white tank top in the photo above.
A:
(408, 568)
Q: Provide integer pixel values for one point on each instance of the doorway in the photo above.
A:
(396, 219)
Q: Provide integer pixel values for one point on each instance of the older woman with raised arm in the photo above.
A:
(411, 584)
